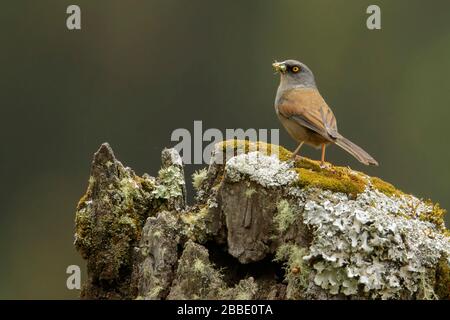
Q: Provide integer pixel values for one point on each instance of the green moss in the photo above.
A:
(195, 224)
(442, 283)
(309, 164)
(435, 216)
(285, 216)
(385, 187)
(157, 234)
(333, 178)
(108, 223)
(246, 146)
(336, 180)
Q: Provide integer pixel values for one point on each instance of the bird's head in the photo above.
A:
(294, 73)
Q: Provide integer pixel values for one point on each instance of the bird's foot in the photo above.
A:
(325, 165)
(296, 158)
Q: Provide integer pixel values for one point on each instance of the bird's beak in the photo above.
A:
(279, 67)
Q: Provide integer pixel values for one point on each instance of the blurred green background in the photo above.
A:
(140, 69)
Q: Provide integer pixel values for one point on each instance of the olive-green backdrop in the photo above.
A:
(140, 69)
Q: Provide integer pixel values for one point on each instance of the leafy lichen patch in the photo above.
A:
(268, 171)
(171, 179)
(198, 177)
(357, 245)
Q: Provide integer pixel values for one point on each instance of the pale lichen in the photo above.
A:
(267, 171)
(284, 216)
(296, 269)
(171, 182)
(244, 290)
(198, 177)
(363, 244)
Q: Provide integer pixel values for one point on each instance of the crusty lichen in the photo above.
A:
(333, 178)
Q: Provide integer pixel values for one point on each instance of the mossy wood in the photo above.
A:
(262, 227)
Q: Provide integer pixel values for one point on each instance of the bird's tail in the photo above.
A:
(355, 151)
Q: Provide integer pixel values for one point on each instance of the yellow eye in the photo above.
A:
(295, 69)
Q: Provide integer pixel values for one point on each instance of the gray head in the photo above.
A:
(294, 74)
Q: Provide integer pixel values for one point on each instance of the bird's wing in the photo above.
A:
(308, 108)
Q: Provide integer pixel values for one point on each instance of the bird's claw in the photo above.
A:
(296, 158)
(325, 165)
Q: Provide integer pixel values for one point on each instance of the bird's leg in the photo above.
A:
(322, 159)
(294, 154)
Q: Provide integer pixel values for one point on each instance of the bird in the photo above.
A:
(306, 116)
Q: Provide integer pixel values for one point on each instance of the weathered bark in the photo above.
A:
(262, 227)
